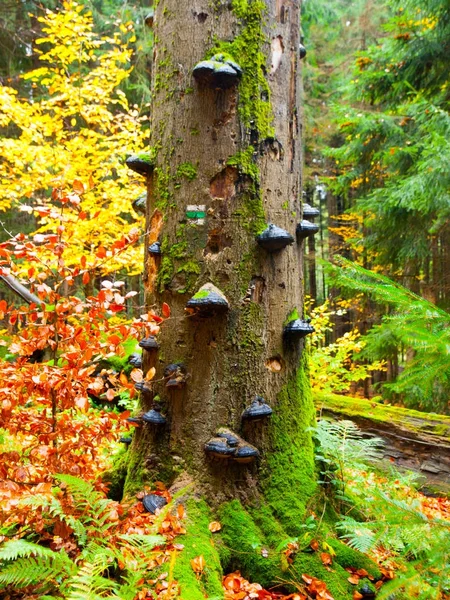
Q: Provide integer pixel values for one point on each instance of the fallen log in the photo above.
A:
(414, 440)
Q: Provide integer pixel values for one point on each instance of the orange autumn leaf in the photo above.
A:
(165, 310)
(357, 595)
(353, 579)
(326, 558)
(198, 564)
(150, 374)
(136, 375)
(214, 526)
(78, 186)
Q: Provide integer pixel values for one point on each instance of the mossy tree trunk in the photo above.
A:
(235, 155)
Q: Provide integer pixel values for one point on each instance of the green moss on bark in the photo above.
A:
(115, 476)
(290, 462)
(254, 543)
(198, 541)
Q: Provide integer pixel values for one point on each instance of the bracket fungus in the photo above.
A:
(257, 410)
(134, 420)
(149, 344)
(274, 238)
(141, 386)
(227, 444)
(152, 502)
(219, 72)
(297, 329)
(305, 229)
(142, 163)
(176, 375)
(302, 51)
(149, 18)
(126, 440)
(140, 203)
(135, 360)
(245, 453)
(207, 301)
(309, 211)
(154, 416)
(218, 447)
(155, 249)
(227, 434)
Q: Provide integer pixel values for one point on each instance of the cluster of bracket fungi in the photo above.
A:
(219, 72)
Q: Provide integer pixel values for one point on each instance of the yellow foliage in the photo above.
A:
(74, 124)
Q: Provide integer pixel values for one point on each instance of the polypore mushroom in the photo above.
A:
(305, 229)
(274, 238)
(309, 211)
(245, 453)
(257, 410)
(219, 448)
(142, 163)
(155, 249)
(149, 344)
(217, 72)
(208, 300)
(297, 329)
(154, 416)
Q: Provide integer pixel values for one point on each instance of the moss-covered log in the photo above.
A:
(414, 440)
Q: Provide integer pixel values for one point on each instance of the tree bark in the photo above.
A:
(231, 158)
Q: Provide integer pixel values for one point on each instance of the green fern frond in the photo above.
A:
(14, 549)
(34, 570)
(54, 507)
(88, 581)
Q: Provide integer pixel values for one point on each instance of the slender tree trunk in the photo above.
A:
(226, 163)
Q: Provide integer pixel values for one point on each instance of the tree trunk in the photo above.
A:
(227, 162)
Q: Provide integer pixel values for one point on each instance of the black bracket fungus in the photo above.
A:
(309, 211)
(155, 249)
(135, 360)
(305, 229)
(135, 420)
(126, 440)
(154, 416)
(274, 238)
(227, 434)
(140, 203)
(245, 453)
(218, 447)
(152, 503)
(227, 444)
(176, 375)
(149, 344)
(141, 387)
(302, 51)
(208, 301)
(297, 329)
(257, 410)
(142, 163)
(149, 18)
(219, 72)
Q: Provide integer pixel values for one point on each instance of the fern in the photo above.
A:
(33, 570)
(415, 323)
(24, 563)
(14, 549)
(54, 507)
